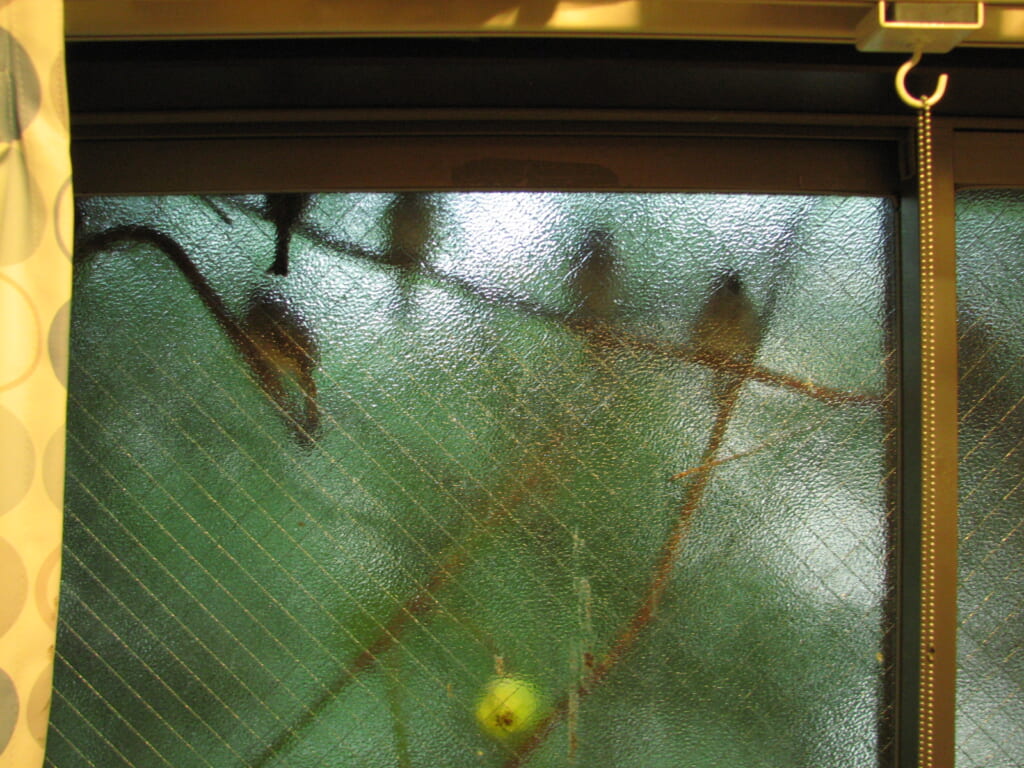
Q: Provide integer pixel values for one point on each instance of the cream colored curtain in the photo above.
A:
(35, 286)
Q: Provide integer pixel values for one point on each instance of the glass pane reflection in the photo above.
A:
(990, 261)
(484, 479)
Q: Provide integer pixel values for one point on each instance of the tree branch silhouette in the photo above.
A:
(728, 326)
(423, 601)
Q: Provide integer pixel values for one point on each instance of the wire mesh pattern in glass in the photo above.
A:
(479, 479)
(990, 638)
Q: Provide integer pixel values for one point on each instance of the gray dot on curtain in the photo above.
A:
(59, 91)
(64, 216)
(53, 468)
(19, 88)
(24, 210)
(58, 343)
(14, 577)
(8, 709)
(37, 706)
(18, 467)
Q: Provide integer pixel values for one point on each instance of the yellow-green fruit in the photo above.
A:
(508, 706)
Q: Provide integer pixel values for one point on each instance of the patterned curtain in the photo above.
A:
(35, 286)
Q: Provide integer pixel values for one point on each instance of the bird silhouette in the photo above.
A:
(726, 335)
(409, 226)
(409, 221)
(592, 290)
(283, 353)
(284, 210)
(594, 276)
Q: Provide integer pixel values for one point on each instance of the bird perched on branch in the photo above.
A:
(593, 291)
(283, 353)
(409, 222)
(727, 334)
(284, 211)
(594, 276)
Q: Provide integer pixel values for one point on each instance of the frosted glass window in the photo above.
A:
(990, 640)
(483, 479)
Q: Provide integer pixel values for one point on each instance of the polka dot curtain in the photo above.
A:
(35, 285)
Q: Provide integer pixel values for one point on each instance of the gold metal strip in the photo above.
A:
(828, 21)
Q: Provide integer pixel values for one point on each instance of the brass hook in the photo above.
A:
(901, 86)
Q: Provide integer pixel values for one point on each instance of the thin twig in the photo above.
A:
(629, 635)
(422, 602)
(768, 443)
(606, 335)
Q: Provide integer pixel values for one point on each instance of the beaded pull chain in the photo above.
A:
(929, 388)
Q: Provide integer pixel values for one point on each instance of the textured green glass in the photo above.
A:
(484, 480)
(990, 639)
